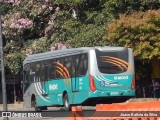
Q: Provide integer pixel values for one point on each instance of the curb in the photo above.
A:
(120, 111)
(132, 106)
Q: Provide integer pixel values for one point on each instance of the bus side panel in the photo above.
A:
(61, 86)
(55, 90)
(83, 93)
(26, 99)
(28, 94)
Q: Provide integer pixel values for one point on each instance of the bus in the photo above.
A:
(78, 76)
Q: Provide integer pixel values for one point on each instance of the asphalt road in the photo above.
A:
(57, 113)
(53, 113)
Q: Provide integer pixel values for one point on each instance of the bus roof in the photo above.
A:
(64, 52)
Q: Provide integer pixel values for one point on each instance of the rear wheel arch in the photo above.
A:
(33, 97)
(33, 100)
(64, 92)
(34, 103)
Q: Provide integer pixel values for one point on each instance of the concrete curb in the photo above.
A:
(143, 99)
(121, 111)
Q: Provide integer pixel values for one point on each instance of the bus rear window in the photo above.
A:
(112, 62)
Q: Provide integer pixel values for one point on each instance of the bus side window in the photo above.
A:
(59, 70)
(73, 67)
(46, 72)
(32, 72)
(51, 69)
(42, 76)
(27, 73)
(82, 69)
(37, 70)
(67, 64)
(26, 77)
(76, 64)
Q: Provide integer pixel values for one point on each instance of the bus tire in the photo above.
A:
(34, 104)
(66, 104)
(37, 109)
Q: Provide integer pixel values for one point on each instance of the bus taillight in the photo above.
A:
(133, 83)
(92, 83)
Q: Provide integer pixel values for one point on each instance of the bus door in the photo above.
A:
(75, 80)
(44, 78)
(26, 73)
(80, 72)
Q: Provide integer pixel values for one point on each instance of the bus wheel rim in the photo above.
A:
(66, 103)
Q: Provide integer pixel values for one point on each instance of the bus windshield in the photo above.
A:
(112, 62)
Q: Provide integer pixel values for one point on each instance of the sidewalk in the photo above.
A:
(13, 106)
(142, 99)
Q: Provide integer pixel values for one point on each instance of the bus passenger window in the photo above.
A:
(82, 65)
(42, 75)
(77, 62)
(46, 72)
(72, 68)
(51, 67)
(59, 70)
(37, 74)
(68, 65)
(38, 69)
(26, 78)
(26, 73)
(32, 72)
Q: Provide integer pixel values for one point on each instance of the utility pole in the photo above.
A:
(3, 73)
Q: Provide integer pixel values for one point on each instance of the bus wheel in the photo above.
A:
(34, 104)
(37, 108)
(66, 104)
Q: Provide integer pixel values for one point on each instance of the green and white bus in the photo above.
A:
(78, 76)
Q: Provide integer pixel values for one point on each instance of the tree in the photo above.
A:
(34, 26)
(139, 31)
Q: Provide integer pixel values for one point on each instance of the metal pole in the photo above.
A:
(3, 73)
(14, 91)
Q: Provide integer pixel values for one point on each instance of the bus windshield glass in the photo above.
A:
(112, 62)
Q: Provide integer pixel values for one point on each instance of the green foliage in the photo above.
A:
(129, 6)
(13, 61)
(37, 46)
(33, 26)
(89, 35)
(4, 8)
(139, 31)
